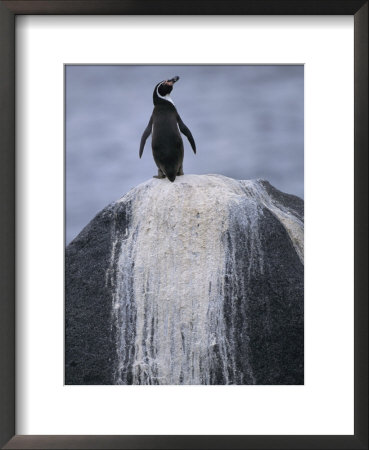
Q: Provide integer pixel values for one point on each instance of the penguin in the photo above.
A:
(165, 125)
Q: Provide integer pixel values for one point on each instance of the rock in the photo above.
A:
(200, 281)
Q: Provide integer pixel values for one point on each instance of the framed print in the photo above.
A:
(85, 80)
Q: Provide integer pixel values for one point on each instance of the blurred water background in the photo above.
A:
(247, 122)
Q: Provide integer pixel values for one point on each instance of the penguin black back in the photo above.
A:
(165, 125)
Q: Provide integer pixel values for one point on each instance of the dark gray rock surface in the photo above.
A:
(239, 322)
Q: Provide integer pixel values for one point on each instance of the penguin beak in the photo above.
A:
(173, 80)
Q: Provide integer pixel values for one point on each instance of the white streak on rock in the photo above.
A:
(169, 293)
(178, 256)
(293, 225)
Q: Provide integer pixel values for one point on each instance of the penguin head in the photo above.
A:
(162, 91)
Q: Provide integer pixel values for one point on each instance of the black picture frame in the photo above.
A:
(8, 11)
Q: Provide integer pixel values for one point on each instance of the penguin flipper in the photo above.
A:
(187, 133)
(145, 135)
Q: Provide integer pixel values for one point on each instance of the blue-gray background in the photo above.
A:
(247, 122)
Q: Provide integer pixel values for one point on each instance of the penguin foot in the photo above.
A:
(160, 174)
(180, 171)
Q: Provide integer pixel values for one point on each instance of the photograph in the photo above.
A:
(184, 224)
